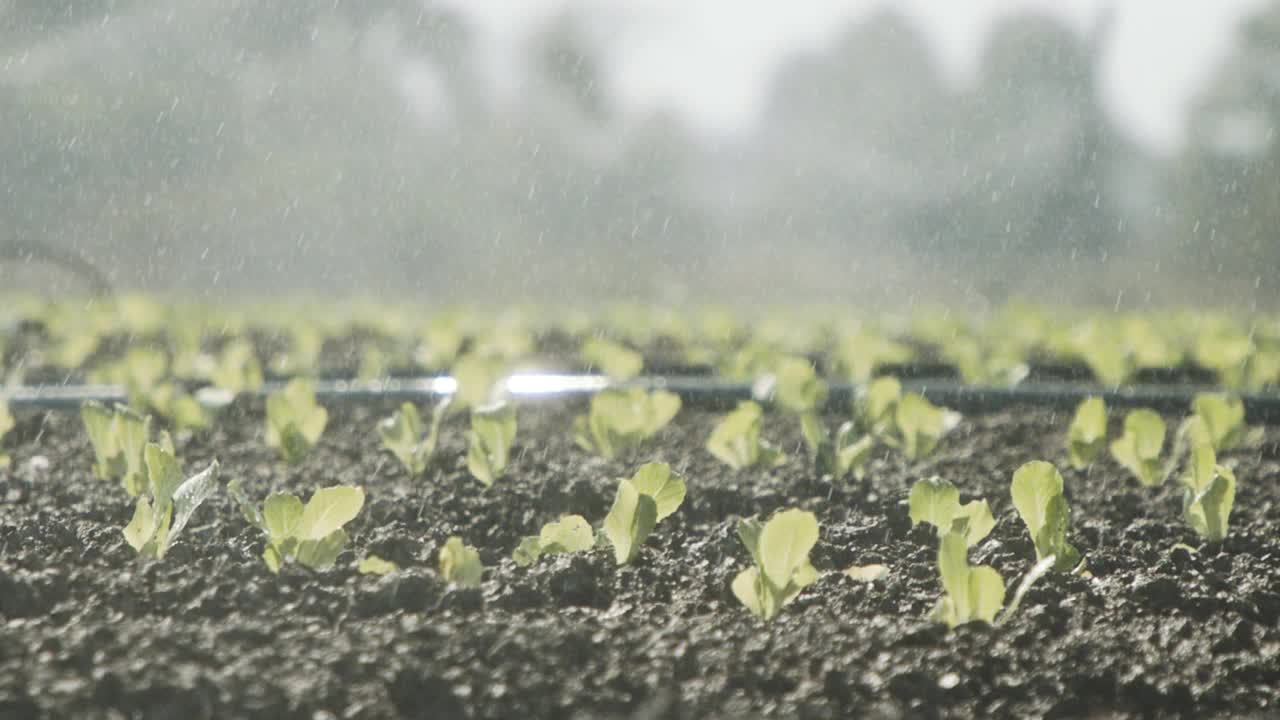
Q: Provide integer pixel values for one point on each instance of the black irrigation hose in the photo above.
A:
(701, 392)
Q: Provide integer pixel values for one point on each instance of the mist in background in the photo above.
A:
(401, 148)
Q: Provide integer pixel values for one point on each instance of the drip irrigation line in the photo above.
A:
(699, 391)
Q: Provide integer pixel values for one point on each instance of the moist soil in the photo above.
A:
(1158, 629)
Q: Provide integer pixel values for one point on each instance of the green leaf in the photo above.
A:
(528, 552)
(784, 546)
(971, 593)
(974, 521)
(402, 434)
(935, 501)
(374, 565)
(142, 528)
(986, 592)
(163, 473)
(746, 587)
(798, 389)
(478, 379)
(460, 563)
(1087, 436)
(749, 530)
(852, 455)
(667, 488)
(329, 509)
(132, 431)
(920, 425)
(619, 420)
(99, 423)
(493, 430)
(1223, 417)
(1138, 450)
(322, 553)
(1037, 495)
(569, 534)
(736, 442)
(629, 521)
(614, 359)
(867, 573)
(294, 421)
(186, 498)
(1209, 510)
(875, 405)
(281, 516)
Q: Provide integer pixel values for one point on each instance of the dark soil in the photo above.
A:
(88, 631)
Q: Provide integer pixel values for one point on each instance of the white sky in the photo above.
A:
(712, 59)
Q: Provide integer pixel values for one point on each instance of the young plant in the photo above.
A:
(1138, 450)
(780, 556)
(374, 565)
(919, 425)
(310, 534)
(237, 369)
(159, 520)
(118, 437)
(620, 420)
(404, 435)
(493, 429)
(1087, 436)
(1223, 418)
(569, 534)
(460, 563)
(937, 502)
(1210, 490)
(294, 420)
(615, 360)
(6, 424)
(1037, 496)
(652, 494)
(972, 593)
(478, 378)
(797, 387)
(848, 453)
(874, 407)
(736, 441)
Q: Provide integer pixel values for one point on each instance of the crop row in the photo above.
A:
(618, 423)
(142, 341)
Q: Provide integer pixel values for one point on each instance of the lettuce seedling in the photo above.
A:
(460, 563)
(937, 502)
(1223, 419)
(374, 565)
(616, 360)
(310, 534)
(736, 441)
(972, 593)
(1226, 351)
(569, 534)
(493, 429)
(118, 437)
(404, 435)
(478, 379)
(1087, 436)
(797, 387)
(861, 354)
(652, 494)
(159, 520)
(1210, 490)
(294, 420)
(848, 453)
(1138, 450)
(875, 404)
(237, 369)
(1037, 496)
(919, 425)
(620, 420)
(780, 556)
(6, 424)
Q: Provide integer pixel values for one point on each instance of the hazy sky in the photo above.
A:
(712, 59)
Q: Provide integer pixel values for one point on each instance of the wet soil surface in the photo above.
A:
(86, 630)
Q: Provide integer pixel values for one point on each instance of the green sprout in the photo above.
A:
(1210, 488)
(1223, 417)
(237, 369)
(310, 535)
(7, 423)
(780, 556)
(862, 353)
(404, 435)
(460, 563)
(118, 437)
(652, 494)
(919, 425)
(479, 379)
(1037, 496)
(569, 534)
(875, 404)
(493, 429)
(1138, 450)
(1226, 351)
(736, 441)
(620, 420)
(1087, 436)
(615, 360)
(374, 565)
(178, 406)
(848, 453)
(159, 520)
(972, 593)
(294, 420)
(937, 502)
(797, 387)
